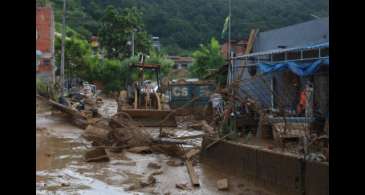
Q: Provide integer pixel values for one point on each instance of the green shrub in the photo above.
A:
(41, 87)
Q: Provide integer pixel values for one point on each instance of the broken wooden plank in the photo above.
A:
(175, 163)
(192, 153)
(191, 136)
(183, 186)
(169, 141)
(154, 165)
(193, 177)
(249, 47)
(96, 155)
(207, 128)
(218, 140)
(65, 109)
(141, 150)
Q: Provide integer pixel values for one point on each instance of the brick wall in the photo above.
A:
(44, 25)
(45, 38)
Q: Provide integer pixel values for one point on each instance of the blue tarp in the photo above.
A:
(300, 69)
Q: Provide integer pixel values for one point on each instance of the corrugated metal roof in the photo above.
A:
(274, 51)
(298, 35)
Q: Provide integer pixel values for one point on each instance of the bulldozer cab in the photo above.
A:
(146, 87)
(144, 96)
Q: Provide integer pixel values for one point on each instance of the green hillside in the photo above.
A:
(184, 24)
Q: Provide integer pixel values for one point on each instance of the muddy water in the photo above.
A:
(61, 168)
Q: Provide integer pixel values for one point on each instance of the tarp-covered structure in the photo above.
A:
(272, 81)
(298, 68)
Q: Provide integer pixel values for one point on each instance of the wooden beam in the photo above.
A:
(191, 136)
(193, 177)
(192, 153)
(218, 140)
(250, 43)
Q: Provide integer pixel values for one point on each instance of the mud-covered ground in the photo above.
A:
(61, 168)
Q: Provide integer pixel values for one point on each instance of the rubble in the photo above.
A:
(80, 122)
(153, 165)
(126, 163)
(175, 163)
(65, 184)
(203, 125)
(96, 134)
(192, 153)
(222, 184)
(41, 128)
(193, 176)
(140, 150)
(183, 186)
(146, 181)
(96, 155)
(158, 172)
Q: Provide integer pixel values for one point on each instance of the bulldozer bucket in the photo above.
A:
(152, 118)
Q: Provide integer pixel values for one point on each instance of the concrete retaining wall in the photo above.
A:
(283, 174)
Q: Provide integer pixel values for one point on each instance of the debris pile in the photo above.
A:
(222, 184)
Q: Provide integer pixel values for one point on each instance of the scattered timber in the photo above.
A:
(73, 113)
(193, 177)
(192, 153)
(191, 136)
(141, 150)
(207, 128)
(218, 140)
(96, 155)
(168, 141)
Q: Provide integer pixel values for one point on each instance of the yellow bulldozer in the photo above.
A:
(144, 100)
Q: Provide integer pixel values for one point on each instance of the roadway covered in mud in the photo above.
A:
(61, 167)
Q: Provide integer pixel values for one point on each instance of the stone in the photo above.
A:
(96, 155)
(140, 150)
(65, 184)
(147, 181)
(158, 172)
(222, 184)
(153, 165)
(175, 163)
(182, 186)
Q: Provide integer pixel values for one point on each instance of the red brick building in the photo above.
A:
(45, 42)
(237, 46)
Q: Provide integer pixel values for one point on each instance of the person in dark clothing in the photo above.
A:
(62, 100)
(81, 106)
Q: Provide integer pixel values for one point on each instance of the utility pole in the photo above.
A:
(229, 40)
(62, 72)
(134, 30)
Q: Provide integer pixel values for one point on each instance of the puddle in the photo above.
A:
(61, 168)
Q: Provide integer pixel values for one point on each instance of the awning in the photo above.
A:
(38, 53)
(298, 68)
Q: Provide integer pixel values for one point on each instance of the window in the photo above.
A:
(46, 62)
(252, 70)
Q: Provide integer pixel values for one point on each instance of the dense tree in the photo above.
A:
(116, 30)
(205, 58)
(77, 51)
(183, 25)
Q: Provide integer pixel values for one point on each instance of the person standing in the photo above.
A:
(309, 98)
